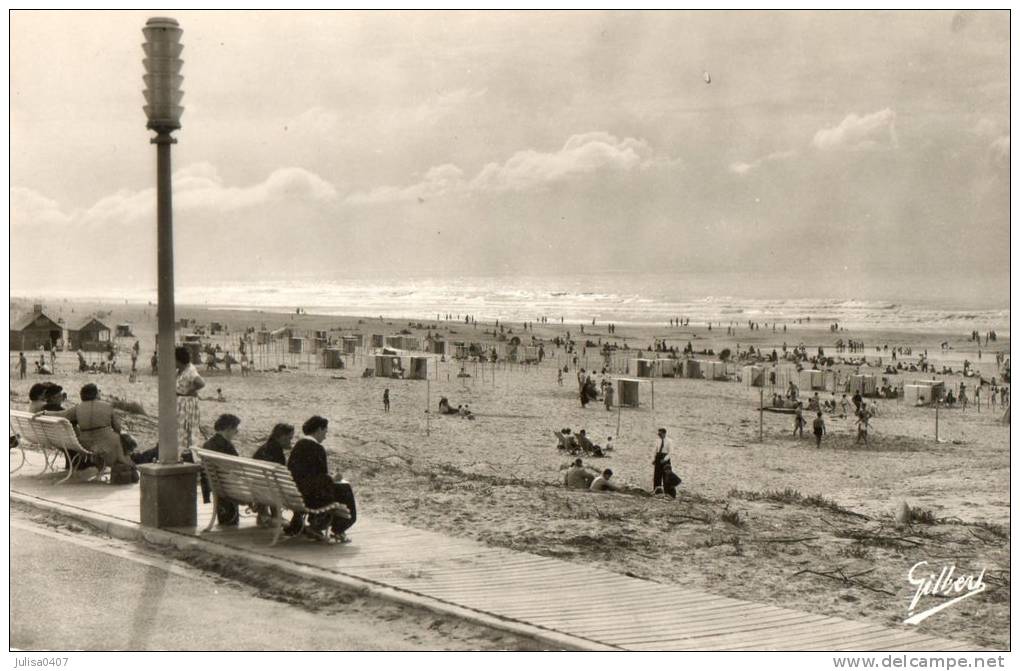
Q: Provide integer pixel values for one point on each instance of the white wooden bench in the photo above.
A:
(255, 482)
(51, 437)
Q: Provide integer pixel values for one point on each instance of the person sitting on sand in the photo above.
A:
(586, 445)
(444, 407)
(219, 396)
(603, 483)
(567, 442)
(465, 412)
(577, 476)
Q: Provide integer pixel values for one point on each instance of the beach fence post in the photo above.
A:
(937, 404)
(653, 394)
(619, 412)
(761, 414)
(428, 406)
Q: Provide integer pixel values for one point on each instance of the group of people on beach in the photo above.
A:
(664, 481)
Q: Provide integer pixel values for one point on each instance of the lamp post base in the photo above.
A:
(169, 497)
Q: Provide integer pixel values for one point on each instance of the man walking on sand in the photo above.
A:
(608, 393)
(386, 400)
(819, 428)
(22, 366)
(660, 460)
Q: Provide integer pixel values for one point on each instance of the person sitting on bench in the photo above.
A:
(226, 430)
(274, 450)
(310, 469)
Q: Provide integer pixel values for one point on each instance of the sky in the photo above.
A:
(850, 152)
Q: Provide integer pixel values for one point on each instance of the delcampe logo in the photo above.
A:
(943, 585)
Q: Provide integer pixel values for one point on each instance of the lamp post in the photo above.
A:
(167, 487)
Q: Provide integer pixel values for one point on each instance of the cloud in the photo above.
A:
(854, 133)
(315, 120)
(529, 170)
(197, 187)
(31, 208)
(742, 168)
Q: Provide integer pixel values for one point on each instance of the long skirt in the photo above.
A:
(188, 419)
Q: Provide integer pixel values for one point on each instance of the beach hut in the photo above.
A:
(813, 380)
(378, 340)
(387, 365)
(35, 330)
(332, 358)
(438, 347)
(416, 367)
(357, 337)
(262, 337)
(124, 331)
(867, 385)
(714, 370)
(349, 344)
(648, 368)
(924, 391)
(91, 335)
(316, 345)
(694, 369)
(460, 350)
(216, 328)
(753, 376)
(627, 394)
(295, 345)
(667, 367)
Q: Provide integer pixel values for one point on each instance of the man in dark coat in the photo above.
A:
(310, 469)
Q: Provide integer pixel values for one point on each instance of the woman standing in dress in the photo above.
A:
(189, 382)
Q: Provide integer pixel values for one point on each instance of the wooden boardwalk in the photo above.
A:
(588, 604)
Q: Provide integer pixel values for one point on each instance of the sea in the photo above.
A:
(621, 298)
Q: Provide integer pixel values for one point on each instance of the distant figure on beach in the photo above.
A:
(798, 420)
(603, 483)
(659, 461)
(819, 429)
(577, 476)
(219, 395)
(858, 401)
(22, 366)
(862, 426)
(559, 375)
(609, 392)
(386, 400)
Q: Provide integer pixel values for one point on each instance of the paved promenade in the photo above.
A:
(563, 604)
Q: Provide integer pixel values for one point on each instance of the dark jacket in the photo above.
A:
(220, 444)
(271, 451)
(310, 470)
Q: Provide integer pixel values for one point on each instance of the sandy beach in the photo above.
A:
(776, 521)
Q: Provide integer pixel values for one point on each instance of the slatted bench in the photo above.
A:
(51, 437)
(255, 482)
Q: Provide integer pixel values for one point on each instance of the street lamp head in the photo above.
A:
(163, 74)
